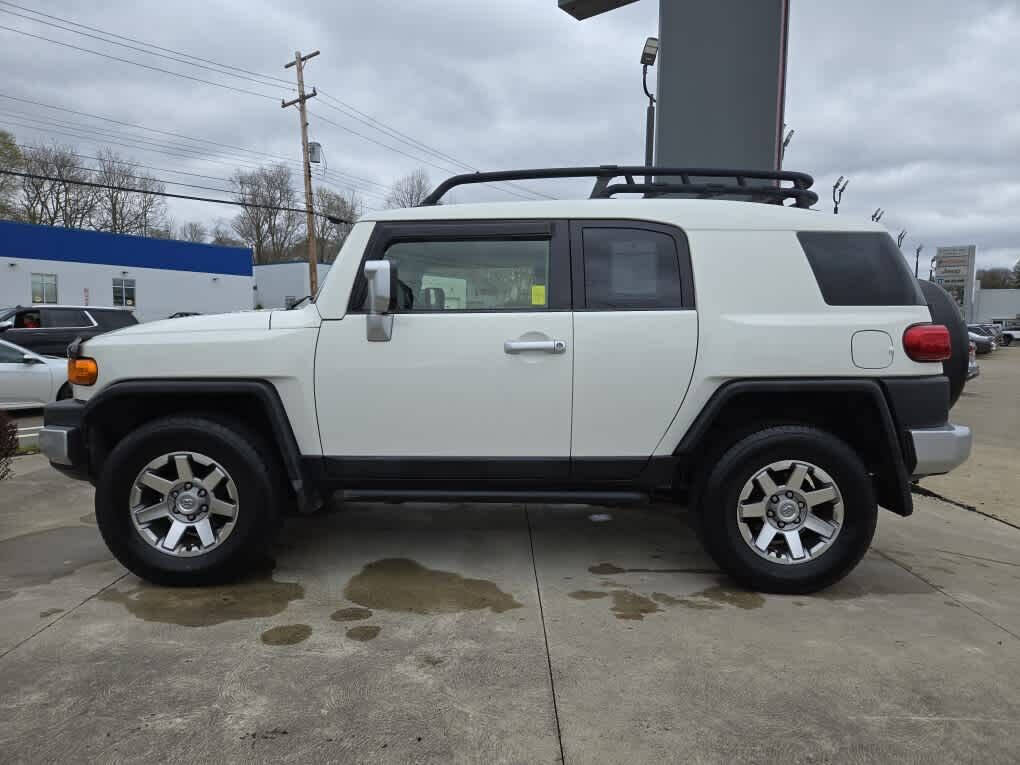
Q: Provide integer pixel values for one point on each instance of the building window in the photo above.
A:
(44, 288)
(124, 293)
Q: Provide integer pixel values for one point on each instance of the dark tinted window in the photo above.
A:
(64, 317)
(629, 269)
(114, 319)
(860, 269)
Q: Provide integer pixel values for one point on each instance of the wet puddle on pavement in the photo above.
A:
(206, 606)
(287, 634)
(42, 556)
(403, 585)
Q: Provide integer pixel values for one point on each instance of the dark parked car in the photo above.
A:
(49, 329)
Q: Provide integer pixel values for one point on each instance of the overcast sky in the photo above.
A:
(917, 102)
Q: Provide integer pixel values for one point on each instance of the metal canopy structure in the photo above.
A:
(583, 9)
(721, 80)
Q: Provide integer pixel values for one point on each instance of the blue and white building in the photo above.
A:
(155, 277)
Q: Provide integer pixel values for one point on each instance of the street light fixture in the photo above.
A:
(900, 237)
(917, 258)
(648, 56)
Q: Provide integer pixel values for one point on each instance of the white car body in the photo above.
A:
(332, 381)
(29, 385)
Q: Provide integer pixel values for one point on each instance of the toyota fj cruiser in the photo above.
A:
(778, 367)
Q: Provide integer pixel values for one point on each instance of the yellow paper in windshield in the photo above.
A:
(538, 294)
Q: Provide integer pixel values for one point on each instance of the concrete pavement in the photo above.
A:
(604, 633)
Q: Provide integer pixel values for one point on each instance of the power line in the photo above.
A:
(400, 151)
(138, 63)
(131, 47)
(81, 133)
(182, 136)
(233, 202)
(29, 147)
(349, 111)
(337, 105)
(151, 45)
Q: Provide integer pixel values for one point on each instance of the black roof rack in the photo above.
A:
(735, 186)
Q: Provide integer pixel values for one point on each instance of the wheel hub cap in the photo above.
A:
(790, 512)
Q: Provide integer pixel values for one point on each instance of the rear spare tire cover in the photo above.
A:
(945, 311)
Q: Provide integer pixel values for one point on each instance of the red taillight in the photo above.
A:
(927, 342)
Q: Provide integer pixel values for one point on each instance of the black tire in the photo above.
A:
(245, 458)
(1007, 339)
(64, 392)
(719, 499)
(945, 311)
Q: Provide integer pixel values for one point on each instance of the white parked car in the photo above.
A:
(780, 367)
(29, 380)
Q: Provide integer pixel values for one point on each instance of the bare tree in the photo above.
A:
(268, 222)
(409, 191)
(223, 234)
(59, 202)
(127, 205)
(193, 231)
(10, 159)
(331, 236)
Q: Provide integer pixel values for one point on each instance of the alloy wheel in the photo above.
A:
(184, 504)
(790, 512)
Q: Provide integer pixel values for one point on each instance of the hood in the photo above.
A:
(223, 322)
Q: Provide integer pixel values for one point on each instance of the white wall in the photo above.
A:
(158, 292)
(996, 304)
(278, 281)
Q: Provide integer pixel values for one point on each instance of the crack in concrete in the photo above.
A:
(545, 636)
(922, 491)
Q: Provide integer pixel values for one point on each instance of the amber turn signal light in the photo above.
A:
(82, 371)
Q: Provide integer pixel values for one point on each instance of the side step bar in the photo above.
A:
(482, 495)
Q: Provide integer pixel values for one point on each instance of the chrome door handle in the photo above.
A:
(543, 346)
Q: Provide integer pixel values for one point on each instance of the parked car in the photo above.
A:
(49, 329)
(782, 367)
(982, 343)
(29, 380)
(973, 370)
(994, 331)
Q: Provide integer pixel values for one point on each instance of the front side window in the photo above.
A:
(472, 275)
(10, 355)
(124, 293)
(631, 270)
(44, 288)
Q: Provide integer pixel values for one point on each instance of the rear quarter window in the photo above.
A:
(114, 319)
(859, 269)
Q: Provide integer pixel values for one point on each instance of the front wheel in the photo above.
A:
(187, 501)
(789, 509)
(1007, 339)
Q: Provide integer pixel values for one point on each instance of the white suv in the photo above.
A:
(777, 366)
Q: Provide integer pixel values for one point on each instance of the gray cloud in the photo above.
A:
(914, 101)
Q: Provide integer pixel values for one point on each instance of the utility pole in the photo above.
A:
(299, 64)
(917, 258)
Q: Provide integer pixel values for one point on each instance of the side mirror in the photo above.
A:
(382, 294)
(7, 324)
(30, 359)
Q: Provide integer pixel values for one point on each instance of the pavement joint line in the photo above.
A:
(955, 503)
(978, 557)
(545, 636)
(953, 598)
(68, 612)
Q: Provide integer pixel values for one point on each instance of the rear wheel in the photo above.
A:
(1007, 339)
(789, 509)
(188, 501)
